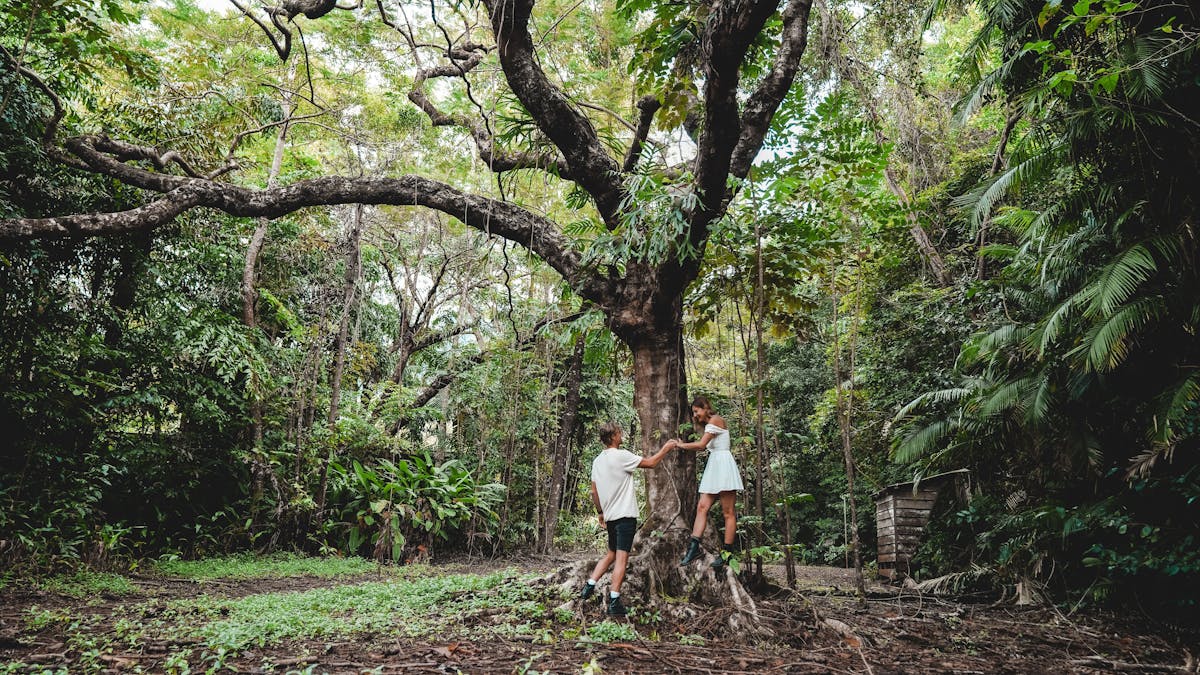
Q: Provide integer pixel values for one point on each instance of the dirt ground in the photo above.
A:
(820, 628)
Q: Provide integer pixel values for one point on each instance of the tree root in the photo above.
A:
(655, 582)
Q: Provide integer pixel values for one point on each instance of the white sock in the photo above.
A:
(614, 594)
(591, 582)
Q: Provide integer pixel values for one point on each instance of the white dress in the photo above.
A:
(721, 472)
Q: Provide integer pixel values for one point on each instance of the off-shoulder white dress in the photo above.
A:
(721, 472)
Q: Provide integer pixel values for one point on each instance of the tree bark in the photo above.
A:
(260, 469)
(844, 411)
(349, 291)
(562, 449)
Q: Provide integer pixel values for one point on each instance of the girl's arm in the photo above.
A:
(701, 444)
(696, 445)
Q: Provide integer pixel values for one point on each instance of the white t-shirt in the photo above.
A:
(612, 472)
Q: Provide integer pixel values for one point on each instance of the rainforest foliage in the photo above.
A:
(969, 242)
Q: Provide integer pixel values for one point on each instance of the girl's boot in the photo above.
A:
(693, 552)
(723, 557)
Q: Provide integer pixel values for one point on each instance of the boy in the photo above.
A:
(616, 505)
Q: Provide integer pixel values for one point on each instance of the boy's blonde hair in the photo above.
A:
(609, 431)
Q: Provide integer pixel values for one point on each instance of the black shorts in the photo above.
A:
(620, 534)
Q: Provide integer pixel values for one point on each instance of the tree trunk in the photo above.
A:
(784, 518)
(260, 469)
(349, 290)
(659, 397)
(844, 416)
(760, 376)
(562, 449)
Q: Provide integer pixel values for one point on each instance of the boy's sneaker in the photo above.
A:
(586, 591)
(615, 608)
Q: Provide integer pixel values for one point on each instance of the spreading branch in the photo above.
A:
(502, 219)
(52, 123)
(462, 61)
(729, 140)
(570, 130)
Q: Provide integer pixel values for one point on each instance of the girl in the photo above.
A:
(721, 479)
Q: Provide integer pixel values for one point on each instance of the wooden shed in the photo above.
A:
(901, 513)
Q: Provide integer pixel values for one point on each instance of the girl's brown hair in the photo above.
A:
(702, 402)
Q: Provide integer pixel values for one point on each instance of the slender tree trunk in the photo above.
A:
(260, 469)
(759, 374)
(562, 449)
(784, 517)
(844, 412)
(783, 512)
(349, 291)
(1010, 123)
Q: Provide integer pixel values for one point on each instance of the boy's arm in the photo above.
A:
(651, 462)
(596, 501)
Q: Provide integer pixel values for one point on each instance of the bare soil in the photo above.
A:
(819, 628)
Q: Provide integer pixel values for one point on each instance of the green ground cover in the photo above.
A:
(278, 565)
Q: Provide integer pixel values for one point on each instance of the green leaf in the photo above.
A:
(1108, 82)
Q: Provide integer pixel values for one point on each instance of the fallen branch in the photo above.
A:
(852, 638)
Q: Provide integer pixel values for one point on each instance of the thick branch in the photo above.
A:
(146, 217)
(647, 106)
(761, 107)
(498, 218)
(730, 31)
(570, 131)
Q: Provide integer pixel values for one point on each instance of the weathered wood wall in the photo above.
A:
(901, 514)
(900, 520)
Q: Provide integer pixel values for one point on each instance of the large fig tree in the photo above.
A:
(720, 69)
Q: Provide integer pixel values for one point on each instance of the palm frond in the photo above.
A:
(1012, 395)
(977, 96)
(1043, 400)
(957, 582)
(952, 395)
(1005, 336)
(1048, 329)
(921, 442)
(983, 202)
(1107, 345)
(1120, 279)
(1180, 401)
